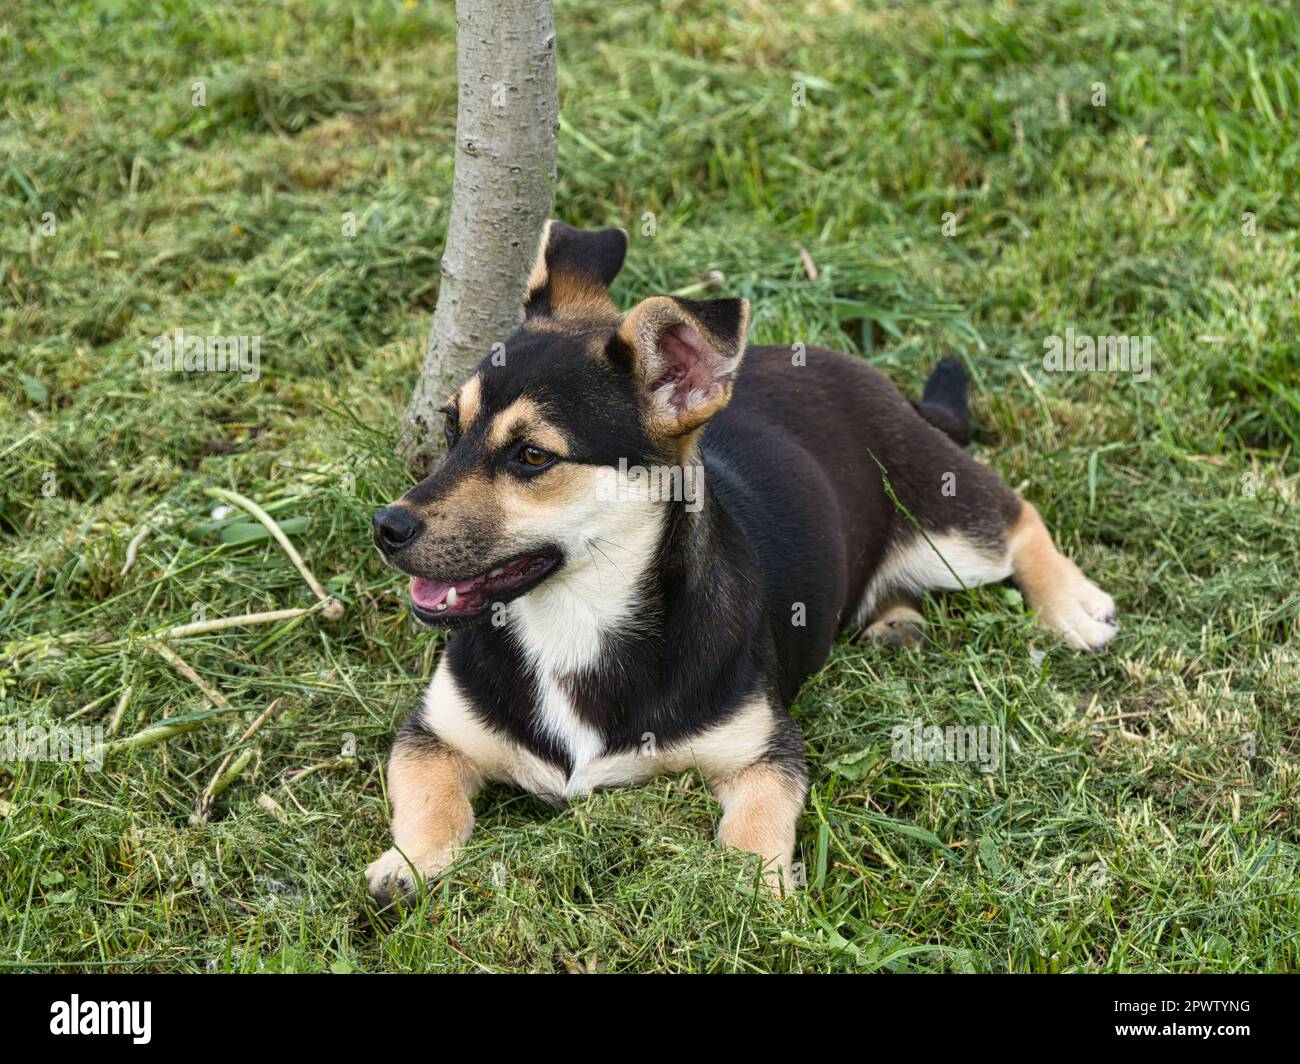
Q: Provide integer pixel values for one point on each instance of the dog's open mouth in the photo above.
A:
(438, 601)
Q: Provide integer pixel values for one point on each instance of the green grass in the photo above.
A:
(1145, 813)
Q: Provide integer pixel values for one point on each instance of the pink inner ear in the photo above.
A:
(688, 365)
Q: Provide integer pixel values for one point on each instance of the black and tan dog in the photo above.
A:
(647, 536)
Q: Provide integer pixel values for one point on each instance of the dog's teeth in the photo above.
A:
(496, 572)
(440, 606)
(451, 596)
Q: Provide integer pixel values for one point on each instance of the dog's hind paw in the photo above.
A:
(899, 625)
(1081, 613)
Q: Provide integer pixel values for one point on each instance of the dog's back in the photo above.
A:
(800, 460)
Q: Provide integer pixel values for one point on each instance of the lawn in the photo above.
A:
(968, 177)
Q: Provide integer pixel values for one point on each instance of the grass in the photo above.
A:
(1144, 814)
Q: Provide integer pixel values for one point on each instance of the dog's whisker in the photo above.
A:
(620, 546)
(592, 543)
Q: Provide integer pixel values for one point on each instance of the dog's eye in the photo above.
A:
(449, 430)
(535, 456)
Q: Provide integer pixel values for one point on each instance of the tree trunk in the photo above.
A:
(507, 114)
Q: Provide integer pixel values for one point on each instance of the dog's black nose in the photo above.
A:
(395, 526)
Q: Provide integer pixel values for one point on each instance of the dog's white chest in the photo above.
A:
(592, 767)
(559, 721)
(559, 632)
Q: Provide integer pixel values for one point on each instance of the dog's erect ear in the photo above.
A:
(684, 355)
(573, 271)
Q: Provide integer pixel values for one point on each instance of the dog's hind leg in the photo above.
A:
(1065, 600)
(976, 531)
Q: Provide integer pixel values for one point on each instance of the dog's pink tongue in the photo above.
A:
(428, 593)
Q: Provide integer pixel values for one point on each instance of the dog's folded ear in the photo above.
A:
(573, 271)
(684, 356)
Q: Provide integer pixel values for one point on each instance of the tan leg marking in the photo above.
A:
(429, 790)
(1066, 601)
(760, 808)
(899, 623)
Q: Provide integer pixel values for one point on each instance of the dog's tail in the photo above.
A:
(945, 403)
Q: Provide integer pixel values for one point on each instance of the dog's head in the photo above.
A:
(547, 438)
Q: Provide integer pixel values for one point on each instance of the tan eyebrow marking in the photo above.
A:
(467, 403)
(526, 415)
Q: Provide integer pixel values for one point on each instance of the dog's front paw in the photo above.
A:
(394, 874)
(1082, 613)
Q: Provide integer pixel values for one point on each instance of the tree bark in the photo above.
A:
(507, 114)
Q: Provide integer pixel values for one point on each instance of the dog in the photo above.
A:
(646, 536)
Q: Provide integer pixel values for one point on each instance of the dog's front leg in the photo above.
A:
(760, 808)
(430, 785)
